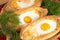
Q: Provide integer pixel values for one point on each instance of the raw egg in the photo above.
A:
(28, 17)
(46, 26)
(25, 3)
(41, 29)
(21, 4)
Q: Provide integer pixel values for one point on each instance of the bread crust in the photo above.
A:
(9, 6)
(3, 1)
(46, 36)
(41, 12)
(55, 37)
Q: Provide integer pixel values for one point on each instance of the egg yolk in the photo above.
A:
(45, 26)
(27, 19)
(25, 1)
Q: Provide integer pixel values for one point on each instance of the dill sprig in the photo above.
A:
(52, 6)
(9, 17)
(6, 18)
(10, 32)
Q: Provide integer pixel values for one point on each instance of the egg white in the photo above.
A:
(31, 14)
(52, 24)
(22, 5)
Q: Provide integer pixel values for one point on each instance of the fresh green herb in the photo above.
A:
(10, 32)
(52, 6)
(7, 29)
(10, 17)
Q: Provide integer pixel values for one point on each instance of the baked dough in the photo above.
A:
(14, 4)
(55, 37)
(38, 10)
(28, 29)
(3, 1)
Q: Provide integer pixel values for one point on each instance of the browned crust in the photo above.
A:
(3, 1)
(43, 36)
(41, 11)
(8, 6)
(47, 35)
(54, 37)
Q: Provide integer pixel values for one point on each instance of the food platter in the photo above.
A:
(29, 20)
